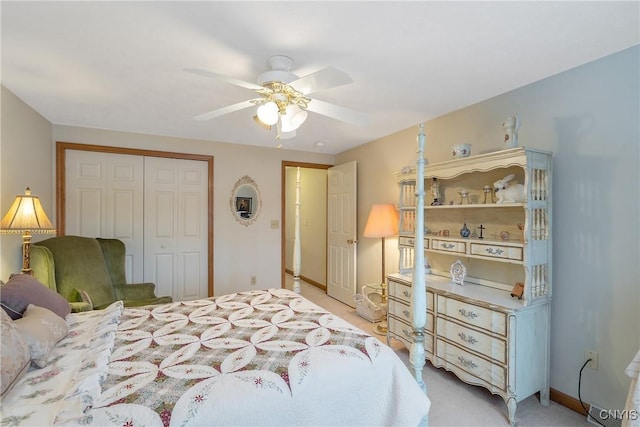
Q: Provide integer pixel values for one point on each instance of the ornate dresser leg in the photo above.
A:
(511, 406)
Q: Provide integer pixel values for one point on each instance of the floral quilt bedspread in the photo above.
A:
(250, 358)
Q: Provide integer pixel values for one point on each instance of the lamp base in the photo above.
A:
(26, 253)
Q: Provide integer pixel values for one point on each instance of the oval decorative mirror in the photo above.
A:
(245, 202)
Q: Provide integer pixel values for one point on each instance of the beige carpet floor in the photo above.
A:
(454, 403)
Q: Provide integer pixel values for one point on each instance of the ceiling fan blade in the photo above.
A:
(227, 79)
(326, 78)
(225, 110)
(337, 112)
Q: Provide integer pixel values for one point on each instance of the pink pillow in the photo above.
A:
(23, 289)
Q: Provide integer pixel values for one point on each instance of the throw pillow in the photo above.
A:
(23, 289)
(42, 329)
(15, 356)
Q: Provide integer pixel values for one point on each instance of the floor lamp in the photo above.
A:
(26, 216)
(382, 222)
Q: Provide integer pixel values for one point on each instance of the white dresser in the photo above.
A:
(477, 329)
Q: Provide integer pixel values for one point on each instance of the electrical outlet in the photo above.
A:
(254, 280)
(590, 354)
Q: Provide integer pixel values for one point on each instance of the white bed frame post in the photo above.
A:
(296, 239)
(419, 291)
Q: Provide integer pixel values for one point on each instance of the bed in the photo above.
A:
(264, 357)
(250, 358)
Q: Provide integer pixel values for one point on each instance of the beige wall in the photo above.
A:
(239, 252)
(588, 117)
(313, 222)
(26, 161)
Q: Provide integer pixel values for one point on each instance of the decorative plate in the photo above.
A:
(458, 272)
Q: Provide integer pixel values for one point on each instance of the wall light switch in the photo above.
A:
(275, 224)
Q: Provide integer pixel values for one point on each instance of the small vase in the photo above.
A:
(464, 231)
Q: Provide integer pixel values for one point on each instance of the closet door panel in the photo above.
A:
(104, 198)
(88, 218)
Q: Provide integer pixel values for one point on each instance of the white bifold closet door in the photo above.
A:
(175, 226)
(157, 206)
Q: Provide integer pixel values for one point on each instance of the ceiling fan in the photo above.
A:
(283, 99)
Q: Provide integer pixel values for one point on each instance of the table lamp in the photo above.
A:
(382, 222)
(26, 216)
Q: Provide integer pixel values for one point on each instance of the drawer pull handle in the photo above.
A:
(447, 245)
(406, 313)
(467, 363)
(467, 314)
(494, 251)
(407, 294)
(468, 339)
(407, 334)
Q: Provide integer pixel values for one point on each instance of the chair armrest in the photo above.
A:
(77, 307)
(135, 291)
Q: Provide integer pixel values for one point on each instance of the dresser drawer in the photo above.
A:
(409, 241)
(491, 373)
(495, 348)
(403, 332)
(403, 312)
(449, 246)
(497, 251)
(401, 292)
(484, 318)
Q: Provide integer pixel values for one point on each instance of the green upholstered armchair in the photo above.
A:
(89, 273)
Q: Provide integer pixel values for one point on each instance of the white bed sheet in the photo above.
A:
(365, 386)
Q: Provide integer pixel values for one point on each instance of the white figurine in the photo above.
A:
(511, 126)
(435, 192)
(509, 193)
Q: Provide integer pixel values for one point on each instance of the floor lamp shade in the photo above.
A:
(382, 221)
(26, 216)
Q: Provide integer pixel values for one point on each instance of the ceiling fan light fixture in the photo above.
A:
(284, 130)
(299, 118)
(259, 122)
(293, 118)
(268, 113)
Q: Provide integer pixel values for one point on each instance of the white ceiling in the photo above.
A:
(119, 65)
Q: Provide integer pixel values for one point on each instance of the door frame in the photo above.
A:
(61, 149)
(283, 268)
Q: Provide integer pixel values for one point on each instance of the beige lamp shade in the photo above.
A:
(382, 221)
(26, 214)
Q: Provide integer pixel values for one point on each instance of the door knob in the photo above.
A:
(351, 241)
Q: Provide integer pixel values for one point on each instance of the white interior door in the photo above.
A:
(342, 248)
(104, 198)
(175, 228)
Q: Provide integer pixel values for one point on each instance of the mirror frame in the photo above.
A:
(257, 204)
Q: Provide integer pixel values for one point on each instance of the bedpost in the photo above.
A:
(296, 239)
(419, 291)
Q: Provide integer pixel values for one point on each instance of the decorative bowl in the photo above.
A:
(460, 150)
